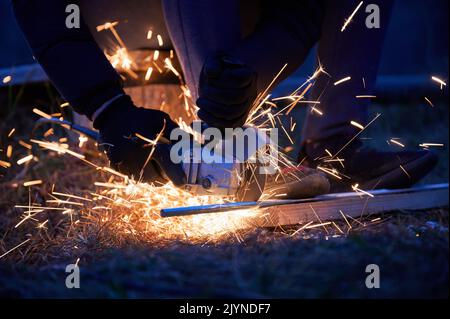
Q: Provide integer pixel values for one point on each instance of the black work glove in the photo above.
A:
(227, 90)
(118, 125)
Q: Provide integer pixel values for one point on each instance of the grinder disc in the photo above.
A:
(252, 183)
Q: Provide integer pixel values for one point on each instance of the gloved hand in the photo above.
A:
(118, 125)
(227, 89)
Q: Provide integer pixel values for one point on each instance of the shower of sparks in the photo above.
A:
(32, 183)
(168, 65)
(60, 149)
(148, 74)
(288, 149)
(14, 248)
(7, 79)
(257, 104)
(133, 208)
(106, 26)
(41, 113)
(346, 220)
(300, 97)
(316, 110)
(11, 132)
(355, 220)
(120, 58)
(49, 132)
(9, 151)
(338, 228)
(356, 124)
(285, 132)
(155, 64)
(438, 80)
(24, 144)
(71, 196)
(348, 78)
(366, 96)
(332, 172)
(5, 164)
(25, 159)
(320, 221)
(394, 141)
(129, 207)
(160, 40)
(356, 135)
(404, 170)
(349, 19)
(360, 191)
(429, 101)
(426, 145)
(42, 225)
(122, 61)
(301, 228)
(338, 160)
(111, 27)
(318, 225)
(293, 127)
(155, 55)
(82, 140)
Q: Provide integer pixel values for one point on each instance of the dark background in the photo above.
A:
(416, 45)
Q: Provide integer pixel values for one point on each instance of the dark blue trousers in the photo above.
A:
(265, 34)
(284, 33)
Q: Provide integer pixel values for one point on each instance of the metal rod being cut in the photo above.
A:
(219, 208)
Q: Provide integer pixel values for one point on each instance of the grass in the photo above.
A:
(411, 252)
(411, 248)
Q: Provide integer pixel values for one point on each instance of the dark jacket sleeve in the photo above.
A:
(70, 57)
(287, 30)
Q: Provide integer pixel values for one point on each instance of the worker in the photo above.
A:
(228, 55)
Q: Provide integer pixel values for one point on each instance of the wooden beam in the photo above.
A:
(328, 207)
(325, 207)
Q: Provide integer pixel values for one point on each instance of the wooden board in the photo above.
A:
(328, 207)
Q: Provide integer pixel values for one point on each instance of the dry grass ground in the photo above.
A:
(412, 252)
(411, 248)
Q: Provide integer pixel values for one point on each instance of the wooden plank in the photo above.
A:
(328, 207)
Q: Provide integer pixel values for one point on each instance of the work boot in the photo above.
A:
(296, 182)
(349, 164)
